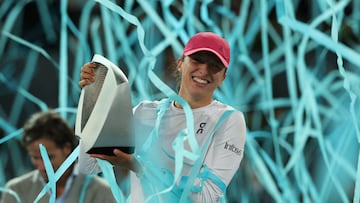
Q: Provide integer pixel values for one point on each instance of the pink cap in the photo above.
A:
(208, 41)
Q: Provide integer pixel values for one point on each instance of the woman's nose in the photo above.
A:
(203, 68)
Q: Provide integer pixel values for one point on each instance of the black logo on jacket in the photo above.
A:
(233, 148)
(201, 129)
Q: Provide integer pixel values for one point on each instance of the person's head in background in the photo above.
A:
(202, 67)
(51, 130)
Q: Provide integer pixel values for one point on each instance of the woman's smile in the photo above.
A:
(200, 80)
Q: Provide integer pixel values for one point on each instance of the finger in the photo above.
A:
(86, 75)
(97, 155)
(122, 157)
(86, 81)
(87, 70)
(119, 153)
(110, 159)
(83, 83)
(89, 67)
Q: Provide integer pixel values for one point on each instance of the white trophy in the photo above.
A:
(104, 113)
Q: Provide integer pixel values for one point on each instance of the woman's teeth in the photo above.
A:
(202, 81)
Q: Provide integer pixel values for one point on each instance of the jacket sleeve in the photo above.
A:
(87, 164)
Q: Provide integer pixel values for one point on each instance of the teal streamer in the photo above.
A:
(323, 39)
(316, 93)
(178, 146)
(290, 70)
(63, 65)
(204, 14)
(168, 34)
(31, 46)
(339, 7)
(25, 94)
(283, 183)
(84, 188)
(5, 6)
(24, 83)
(356, 197)
(199, 161)
(96, 39)
(187, 109)
(190, 21)
(56, 176)
(334, 35)
(109, 39)
(264, 176)
(50, 173)
(173, 22)
(12, 135)
(158, 83)
(7, 25)
(108, 171)
(83, 51)
(45, 19)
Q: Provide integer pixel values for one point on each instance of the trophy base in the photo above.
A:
(109, 150)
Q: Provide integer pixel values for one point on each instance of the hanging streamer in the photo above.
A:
(294, 72)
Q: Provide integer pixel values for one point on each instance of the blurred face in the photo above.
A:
(57, 155)
(199, 77)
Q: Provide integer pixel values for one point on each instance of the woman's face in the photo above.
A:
(56, 154)
(201, 74)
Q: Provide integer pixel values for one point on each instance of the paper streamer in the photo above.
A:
(294, 72)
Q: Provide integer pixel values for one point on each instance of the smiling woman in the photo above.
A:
(201, 73)
(203, 66)
(220, 133)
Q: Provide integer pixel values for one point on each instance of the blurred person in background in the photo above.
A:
(49, 129)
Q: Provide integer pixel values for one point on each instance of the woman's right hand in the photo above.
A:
(121, 159)
(87, 75)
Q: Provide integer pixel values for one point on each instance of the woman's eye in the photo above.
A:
(194, 60)
(198, 60)
(215, 69)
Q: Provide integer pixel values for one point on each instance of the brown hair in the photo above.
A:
(50, 125)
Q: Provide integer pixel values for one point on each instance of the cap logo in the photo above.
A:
(221, 48)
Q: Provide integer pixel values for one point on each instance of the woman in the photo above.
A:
(160, 127)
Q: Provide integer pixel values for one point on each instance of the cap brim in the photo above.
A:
(223, 61)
